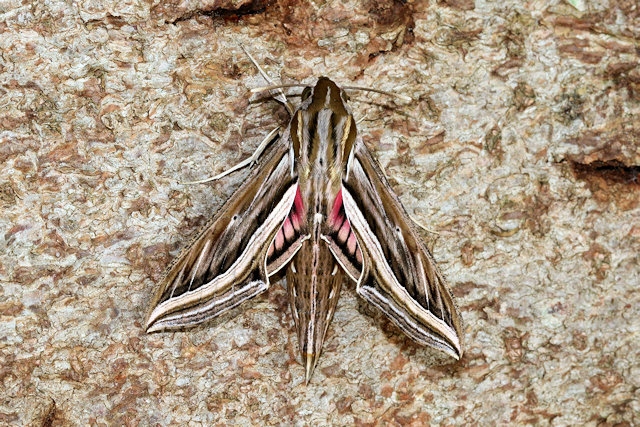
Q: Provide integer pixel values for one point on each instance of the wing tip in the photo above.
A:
(152, 324)
(457, 353)
(451, 345)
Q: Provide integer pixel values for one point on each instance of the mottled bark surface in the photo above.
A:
(521, 150)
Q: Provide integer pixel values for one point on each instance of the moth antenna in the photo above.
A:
(383, 92)
(280, 86)
(281, 97)
(255, 63)
(246, 162)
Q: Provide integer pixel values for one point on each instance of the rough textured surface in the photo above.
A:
(521, 150)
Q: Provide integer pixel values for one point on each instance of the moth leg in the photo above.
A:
(420, 225)
(243, 164)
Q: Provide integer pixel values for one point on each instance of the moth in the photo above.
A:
(317, 208)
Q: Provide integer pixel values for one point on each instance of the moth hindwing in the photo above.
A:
(317, 205)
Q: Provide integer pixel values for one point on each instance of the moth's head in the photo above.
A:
(326, 94)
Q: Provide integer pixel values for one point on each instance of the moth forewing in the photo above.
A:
(400, 277)
(226, 263)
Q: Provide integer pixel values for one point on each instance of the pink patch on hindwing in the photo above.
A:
(290, 227)
(339, 222)
(337, 213)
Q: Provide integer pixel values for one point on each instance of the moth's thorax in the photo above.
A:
(323, 133)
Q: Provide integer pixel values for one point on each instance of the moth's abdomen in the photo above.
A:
(313, 283)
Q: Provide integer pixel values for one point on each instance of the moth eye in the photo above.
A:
(306, 93)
